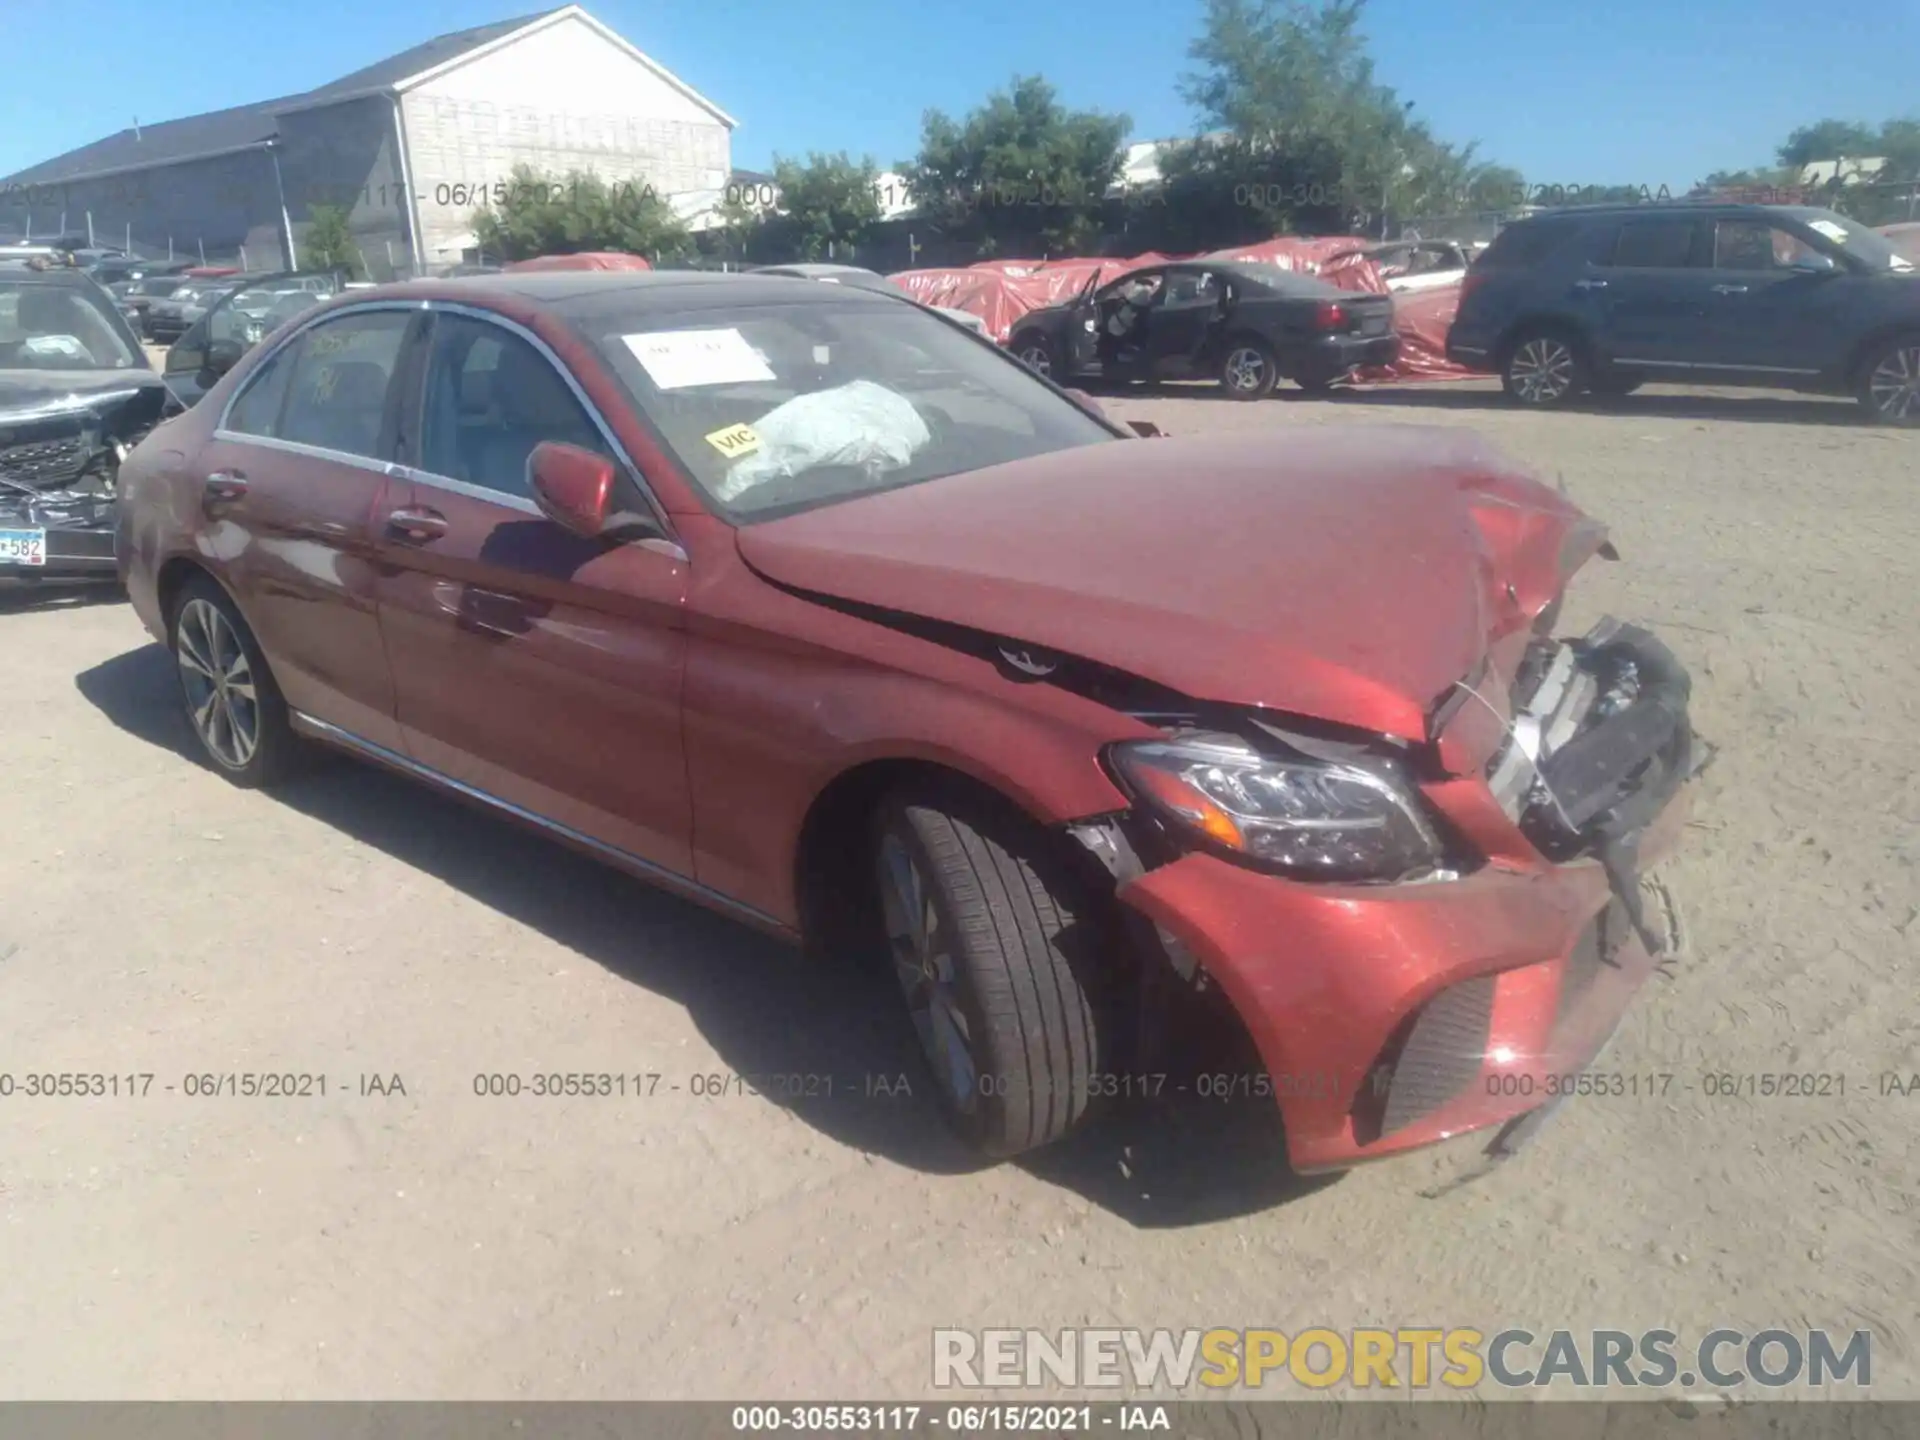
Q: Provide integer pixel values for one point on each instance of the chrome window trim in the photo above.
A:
(505, 499)
(669, 879)
(514, 327)
(312, 452)
(368, 307)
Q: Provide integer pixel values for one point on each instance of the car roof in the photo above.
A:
(814, 269)
(61, 275)
(575, 292)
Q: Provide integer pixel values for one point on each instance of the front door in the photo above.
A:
(540, 668)
(292, 483)
(1780, 301)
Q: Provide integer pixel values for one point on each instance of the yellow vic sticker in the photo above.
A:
(734, 441)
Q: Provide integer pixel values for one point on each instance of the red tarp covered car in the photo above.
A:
(588, 260)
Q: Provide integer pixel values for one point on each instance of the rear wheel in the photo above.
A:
(1543, 369)
(1890, 382)
(232, 703)
(1248, 371)
(992, 943)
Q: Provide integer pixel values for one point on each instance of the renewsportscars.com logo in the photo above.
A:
(1397, 1359)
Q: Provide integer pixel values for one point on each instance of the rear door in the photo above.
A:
(292, 482)
(1181, 317)
(540, 668)
(1654, 290)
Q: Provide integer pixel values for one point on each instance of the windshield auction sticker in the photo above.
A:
(734, 440)
(682, 359)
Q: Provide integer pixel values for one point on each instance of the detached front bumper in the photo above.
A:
(1394, 1017)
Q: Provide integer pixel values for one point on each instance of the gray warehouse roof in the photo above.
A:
(220, 131)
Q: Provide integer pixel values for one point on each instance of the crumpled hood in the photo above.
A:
(1348, 573)
(27, 394)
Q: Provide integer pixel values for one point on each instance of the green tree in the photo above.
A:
(328, 243)
(1827, 140)
(1315, 141)
(538, 214)
(1020, 169)
(827, 208)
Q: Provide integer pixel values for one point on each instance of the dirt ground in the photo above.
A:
(441, 1244)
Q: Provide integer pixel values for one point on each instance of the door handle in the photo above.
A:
(1729, 289)
(223, 487)
(1589, 284)
(416, 525)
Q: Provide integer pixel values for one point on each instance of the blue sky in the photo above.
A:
(1639, 92)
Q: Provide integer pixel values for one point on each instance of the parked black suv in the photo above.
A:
(1604, 298)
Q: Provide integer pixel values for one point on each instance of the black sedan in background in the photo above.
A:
(1245, 325)
(172, 316)
(76, 393)
(137, 297)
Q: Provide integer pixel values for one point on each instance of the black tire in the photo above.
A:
(1019, 935)
(1889, 387)
(1544, 368)
(1616, 384)
(1035, 351)
(201, 649)
(1248, 370)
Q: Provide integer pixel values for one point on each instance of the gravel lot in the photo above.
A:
(439, 1244)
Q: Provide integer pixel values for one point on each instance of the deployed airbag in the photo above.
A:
(862, 425)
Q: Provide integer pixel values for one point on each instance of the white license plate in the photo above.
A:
(23, 547)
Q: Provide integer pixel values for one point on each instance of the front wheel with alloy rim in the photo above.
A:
(1890, 382)
(1543, 369)
(993, 946)
(1248, 372)
(1035, 353)
(232, 702)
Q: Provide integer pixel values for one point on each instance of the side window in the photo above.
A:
(1527, 243)
(1186, 288)
(337, 393)
(257, 410)
(491, 397)
(1665, 244)
(1756, 245)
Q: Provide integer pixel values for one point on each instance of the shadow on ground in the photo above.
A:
(766, 1009)
(19, 597)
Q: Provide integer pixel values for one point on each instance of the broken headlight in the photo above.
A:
(1310, 818)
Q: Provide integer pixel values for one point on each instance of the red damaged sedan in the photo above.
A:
(817, 610)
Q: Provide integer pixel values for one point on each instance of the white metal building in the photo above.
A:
(408, 145)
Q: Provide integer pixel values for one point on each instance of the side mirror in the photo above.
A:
(1087, 402)
(1815, 264)
(223, 355)
(572, 487)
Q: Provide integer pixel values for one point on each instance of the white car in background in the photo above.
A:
(1410, 266)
